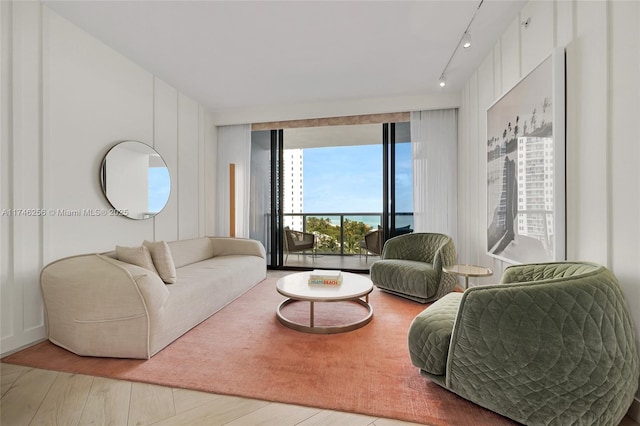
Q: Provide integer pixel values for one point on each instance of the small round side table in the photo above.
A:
(467, 271)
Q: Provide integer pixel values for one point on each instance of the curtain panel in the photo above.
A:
(434, 151)
(234, 147)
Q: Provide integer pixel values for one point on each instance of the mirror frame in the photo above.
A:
(123, 210)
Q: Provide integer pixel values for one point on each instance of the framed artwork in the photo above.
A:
(526, 167)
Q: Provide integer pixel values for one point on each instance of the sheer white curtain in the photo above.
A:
(434, 149)
(234, 146)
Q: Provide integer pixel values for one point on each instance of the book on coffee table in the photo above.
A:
(322, 277)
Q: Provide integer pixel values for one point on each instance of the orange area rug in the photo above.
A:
(243, 350)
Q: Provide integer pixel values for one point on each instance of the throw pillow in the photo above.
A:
(162, 260)
(138, 256)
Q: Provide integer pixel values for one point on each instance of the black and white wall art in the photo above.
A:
(526, 167)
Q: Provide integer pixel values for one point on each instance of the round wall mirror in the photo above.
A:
(135, 179)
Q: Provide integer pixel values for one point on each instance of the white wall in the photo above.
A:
(602, 40)
(66, 99)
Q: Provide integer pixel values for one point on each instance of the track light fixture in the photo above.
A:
(465, 42)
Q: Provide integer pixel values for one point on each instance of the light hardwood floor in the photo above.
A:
(32, 396)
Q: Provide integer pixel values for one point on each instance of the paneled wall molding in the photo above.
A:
(602, 107)
(21, 302)
(334, 121)
(66, 98)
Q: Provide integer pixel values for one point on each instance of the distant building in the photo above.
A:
(292, 183)
(535, 188)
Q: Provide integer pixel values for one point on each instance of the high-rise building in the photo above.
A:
(535, 188)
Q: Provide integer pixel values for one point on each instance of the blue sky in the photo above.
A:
(348, 179)
(159, 188)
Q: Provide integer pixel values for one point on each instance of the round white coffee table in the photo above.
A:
(296, 288)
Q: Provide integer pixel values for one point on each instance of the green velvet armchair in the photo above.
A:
(552, 344)
(411, 266)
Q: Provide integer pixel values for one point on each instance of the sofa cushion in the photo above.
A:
(139, 256)
(430, 334)
(162, 260)
(186, 252)
(203, 288)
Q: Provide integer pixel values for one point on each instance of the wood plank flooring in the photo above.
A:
(32, 396)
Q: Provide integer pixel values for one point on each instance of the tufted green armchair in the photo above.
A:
(411, 266)
(552, 344)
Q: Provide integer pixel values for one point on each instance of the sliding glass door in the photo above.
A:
(398, 181)
(332, 185)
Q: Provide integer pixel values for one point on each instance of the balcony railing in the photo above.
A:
(341, 233)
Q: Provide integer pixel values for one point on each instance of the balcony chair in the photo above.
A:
(372, 243)
(552, 344)
(411, 266)
(401, 231)
(298, 241)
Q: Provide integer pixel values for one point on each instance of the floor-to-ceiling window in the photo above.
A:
(336, 182)
(398, 187)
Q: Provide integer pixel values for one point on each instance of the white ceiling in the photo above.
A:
(240, 54)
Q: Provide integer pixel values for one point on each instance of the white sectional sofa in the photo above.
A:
(97, 305)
